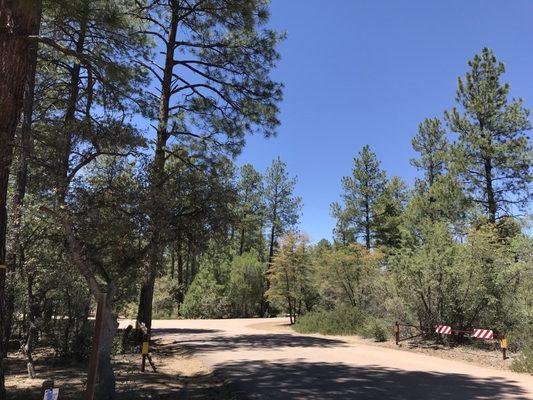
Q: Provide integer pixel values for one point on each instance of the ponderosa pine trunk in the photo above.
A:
(155, 249)
(18, 19)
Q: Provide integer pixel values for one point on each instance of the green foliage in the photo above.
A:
(524, 362)
(388, 210)
(361, 190)
(347, 275)
(207, 294)
(376, 329)
(282, 205)
(289, 275)
(205, 298)
(247, 285)
(166, 298)
(493, 151)
(342, 320)
(250, 209)
(430, 142)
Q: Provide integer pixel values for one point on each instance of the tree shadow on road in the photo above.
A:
(313, 381)
(182, 331)
(270, 341)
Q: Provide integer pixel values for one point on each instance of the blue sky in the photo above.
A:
(367, 72)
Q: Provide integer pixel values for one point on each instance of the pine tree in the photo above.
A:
(251, 208)
(495, 152)
(388, 210)
(282, 206)
(213, 88)
(430, 142)
(361, 191)
(17, 21)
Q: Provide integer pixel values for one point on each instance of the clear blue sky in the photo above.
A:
(362, 72)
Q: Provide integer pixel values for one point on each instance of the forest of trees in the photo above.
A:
(120, 124)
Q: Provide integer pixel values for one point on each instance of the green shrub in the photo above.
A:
(524, 362)
(375, 328)
(339, 321)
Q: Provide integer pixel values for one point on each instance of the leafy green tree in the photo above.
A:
(347, 274)
(361, 191)
(290, 275)
(247, 285)
(494, 147)
(430, 142)
(282, 206)
(207, 297)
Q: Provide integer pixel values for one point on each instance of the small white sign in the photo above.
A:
(51, 394)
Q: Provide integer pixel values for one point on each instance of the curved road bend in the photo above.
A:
(261, 364)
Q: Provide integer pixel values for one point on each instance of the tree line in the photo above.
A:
(453, 249)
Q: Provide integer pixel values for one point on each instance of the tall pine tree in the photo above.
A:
(361, 191)
(495, 152)
(430, 142)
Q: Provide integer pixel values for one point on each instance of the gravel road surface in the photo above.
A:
(265, 364)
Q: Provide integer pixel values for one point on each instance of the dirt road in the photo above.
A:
(261, 364)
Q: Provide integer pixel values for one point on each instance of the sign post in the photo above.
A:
(95, 353)
(503, 345)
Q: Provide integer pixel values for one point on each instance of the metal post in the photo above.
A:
(95, 352)
(397, 332)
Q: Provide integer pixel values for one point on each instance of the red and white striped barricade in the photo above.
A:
(485, 334)
(444, 329)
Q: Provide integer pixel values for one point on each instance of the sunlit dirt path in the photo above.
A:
(262, 364)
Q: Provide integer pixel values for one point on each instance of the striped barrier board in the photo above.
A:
(444, 329)
(483, 334)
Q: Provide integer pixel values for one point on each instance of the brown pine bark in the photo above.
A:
(155, 250)
(18, 19)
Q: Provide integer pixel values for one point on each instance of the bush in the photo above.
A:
(339, 321)
(524, 362)
(375, 328)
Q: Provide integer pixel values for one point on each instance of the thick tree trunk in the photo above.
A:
(15, 249)
(17, 20)
(106, 376)
(157, 181)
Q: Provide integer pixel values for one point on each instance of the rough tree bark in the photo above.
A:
(155, 249)
(16, 250)
(18, 19)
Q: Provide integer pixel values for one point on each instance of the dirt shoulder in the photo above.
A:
(180, 375)
(480, 357)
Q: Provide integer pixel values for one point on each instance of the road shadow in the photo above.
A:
(270, 341)
(183, 331)
(314, 381)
